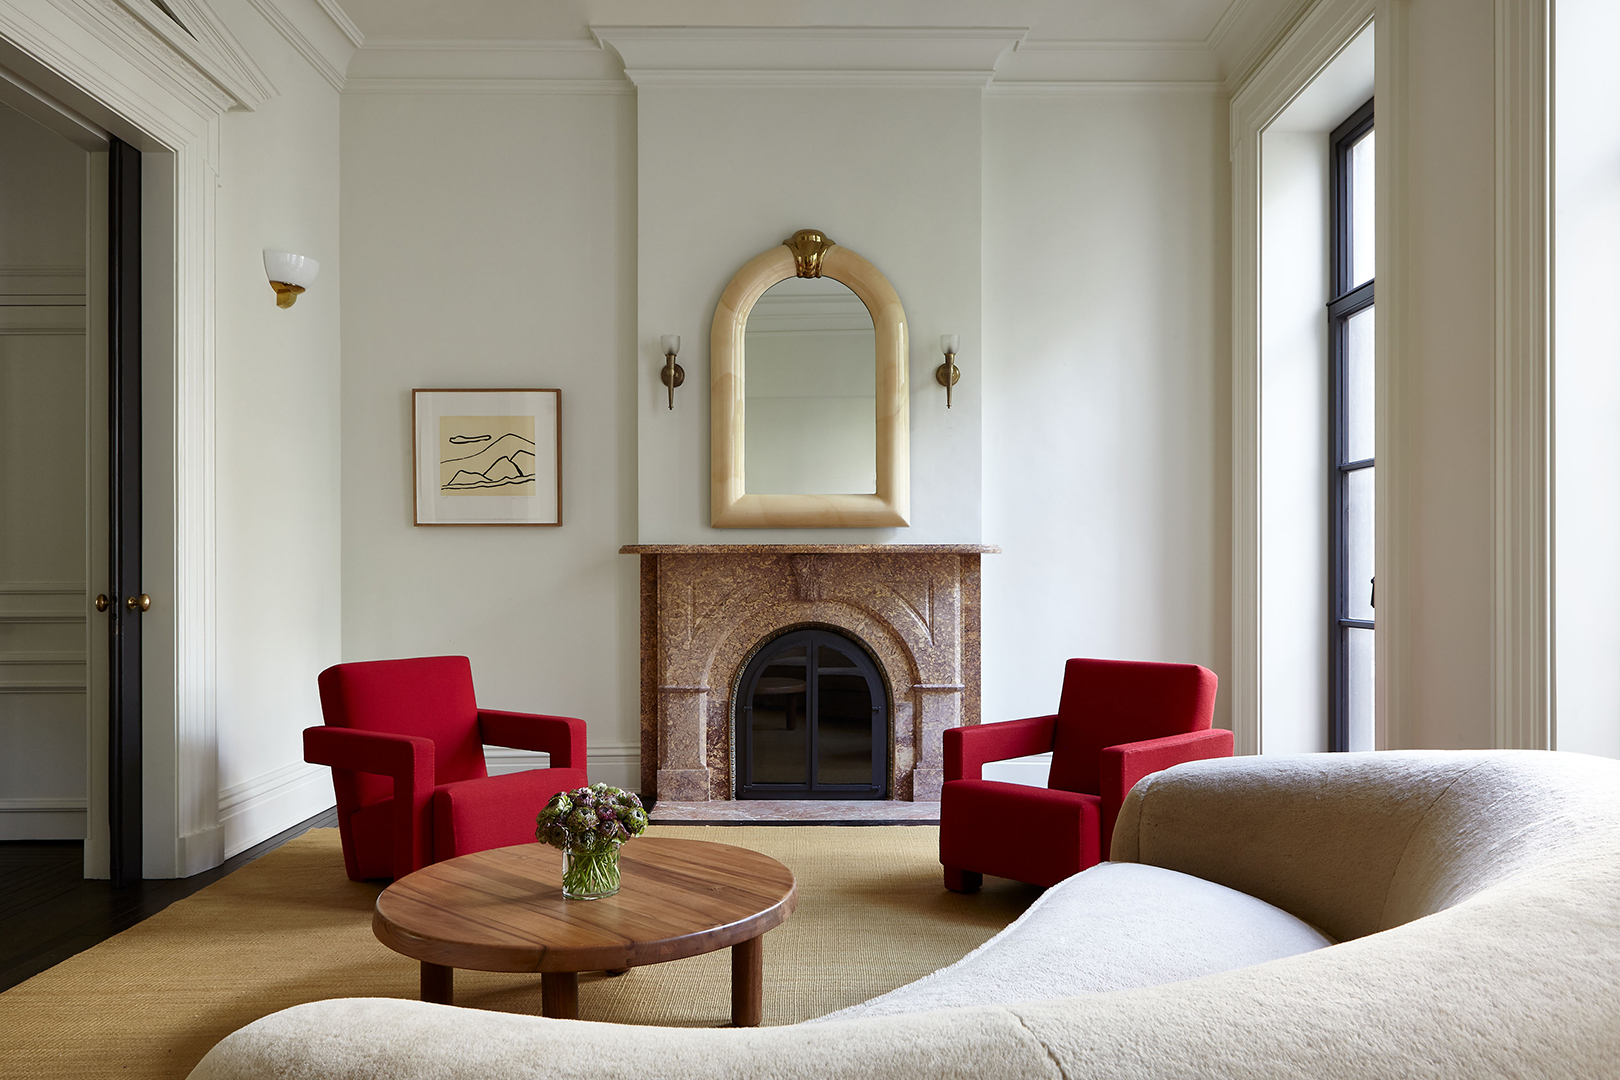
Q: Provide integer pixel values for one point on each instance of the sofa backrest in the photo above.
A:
(1358, 843)
(427, 696)
(1108, 702)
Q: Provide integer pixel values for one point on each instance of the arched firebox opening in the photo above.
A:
(811, 721)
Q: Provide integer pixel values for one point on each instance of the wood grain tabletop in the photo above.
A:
(503, 910)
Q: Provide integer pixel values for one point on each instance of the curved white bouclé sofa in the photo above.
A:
(1474, 899)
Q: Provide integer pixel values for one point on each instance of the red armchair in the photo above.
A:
(1117, 721)
(405, 741)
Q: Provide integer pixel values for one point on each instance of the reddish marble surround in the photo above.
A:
(705, 609)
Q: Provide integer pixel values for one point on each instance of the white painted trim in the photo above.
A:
(341, 20)
(812, 79)
(1001, 88)
(1309, 46)
(267, 804)
(1522, 537)
(204, 47)
(123, 74)
(328, 68)
(1391, 48)
(492, 87)
(32, 804)
(535, 45)
(618, 764)
(865, 57)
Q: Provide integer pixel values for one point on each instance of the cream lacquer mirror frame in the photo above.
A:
(808, 253)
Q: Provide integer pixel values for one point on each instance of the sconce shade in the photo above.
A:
(289, 274)
(947, 343)
(671, 343)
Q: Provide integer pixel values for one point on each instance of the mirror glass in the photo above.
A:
(810, 386)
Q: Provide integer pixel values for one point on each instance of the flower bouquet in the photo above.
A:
(589, 824)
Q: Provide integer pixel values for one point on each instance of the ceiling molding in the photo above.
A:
(492, 87)
(329, 57)
(810, 56)
(1069, 88)
(202, 39)
(341, 20)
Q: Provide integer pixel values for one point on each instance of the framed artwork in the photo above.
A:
(488, 457)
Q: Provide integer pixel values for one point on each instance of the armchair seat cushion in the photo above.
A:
(495, 811)
(1032, 834)
(1117, 926)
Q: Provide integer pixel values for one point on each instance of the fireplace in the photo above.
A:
(811, 721)
(708, 612)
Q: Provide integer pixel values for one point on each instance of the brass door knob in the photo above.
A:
(102, 603)
(143, 602)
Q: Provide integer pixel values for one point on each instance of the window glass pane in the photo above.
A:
(1361, 210)
(1359, 688)
(1358, 386)
(778, 727)
(1358, 544)
(843, 721)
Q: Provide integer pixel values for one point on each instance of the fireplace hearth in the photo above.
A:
(908, 620)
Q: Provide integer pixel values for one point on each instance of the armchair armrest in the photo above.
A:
(1120, 767)
(967, 749)
(408, 759)
(563, 737)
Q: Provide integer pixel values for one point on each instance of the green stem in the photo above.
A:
(594, 873)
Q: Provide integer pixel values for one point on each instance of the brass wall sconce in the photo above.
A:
(289, 274)
(948, 374)
(673, 374)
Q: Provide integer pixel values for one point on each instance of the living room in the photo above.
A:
(534, 196)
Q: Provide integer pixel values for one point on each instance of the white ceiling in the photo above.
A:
(1226, 32)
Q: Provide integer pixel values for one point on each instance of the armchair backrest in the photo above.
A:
(427, 696)
(1108, 702)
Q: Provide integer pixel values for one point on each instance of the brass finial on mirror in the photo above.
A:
(808, 246)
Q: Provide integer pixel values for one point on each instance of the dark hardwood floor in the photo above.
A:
(48, 912)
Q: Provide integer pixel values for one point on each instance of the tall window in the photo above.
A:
(1350, 357)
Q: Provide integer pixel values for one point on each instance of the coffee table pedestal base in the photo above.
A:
(559, 990)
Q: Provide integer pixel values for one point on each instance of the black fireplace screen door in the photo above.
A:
(812, 721)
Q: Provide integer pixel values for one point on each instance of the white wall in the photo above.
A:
(43, 474)
(490, 242)
(1107, 457)
(727, 172)
(1587, 377)
(277, 396)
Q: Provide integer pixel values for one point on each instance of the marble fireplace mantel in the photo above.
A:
(705, 608)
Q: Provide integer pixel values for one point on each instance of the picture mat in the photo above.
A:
(470, 413)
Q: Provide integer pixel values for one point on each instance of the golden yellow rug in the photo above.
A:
(290, 928)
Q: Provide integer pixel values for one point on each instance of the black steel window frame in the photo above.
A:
(1348, 299)
(742, 721)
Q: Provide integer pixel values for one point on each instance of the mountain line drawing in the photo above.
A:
(507, 462)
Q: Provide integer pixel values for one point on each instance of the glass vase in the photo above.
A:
(590, 873)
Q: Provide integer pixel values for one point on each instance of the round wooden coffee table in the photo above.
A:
(503, 910)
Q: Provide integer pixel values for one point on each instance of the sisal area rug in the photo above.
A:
(290, 928)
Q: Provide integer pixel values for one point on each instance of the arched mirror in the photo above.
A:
(807, 383)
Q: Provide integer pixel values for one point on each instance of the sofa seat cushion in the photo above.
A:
(1115, 926)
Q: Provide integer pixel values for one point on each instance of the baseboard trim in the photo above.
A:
(259, 808)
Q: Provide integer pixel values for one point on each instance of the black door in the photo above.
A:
(124, 577)
(812, 721)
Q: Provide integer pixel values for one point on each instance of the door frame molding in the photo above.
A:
(164, 94)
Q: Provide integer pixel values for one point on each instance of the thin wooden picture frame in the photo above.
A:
(511, 470)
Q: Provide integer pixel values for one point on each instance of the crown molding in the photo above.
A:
(310, 27)
(1060, 89)
(491, 87)
(567, 60)
(879, 56)
(341, 20)
(199, 36)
